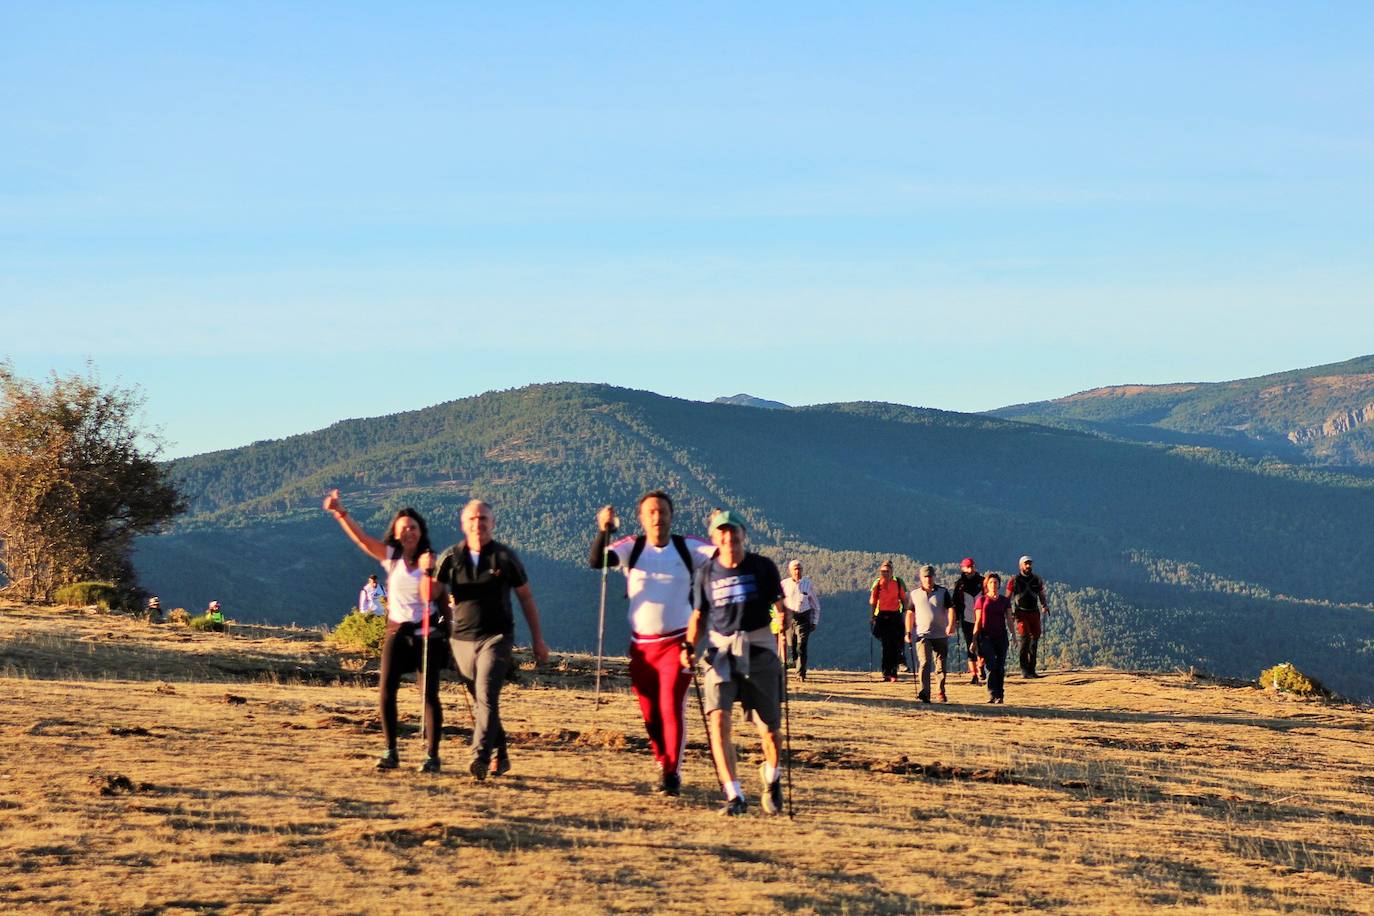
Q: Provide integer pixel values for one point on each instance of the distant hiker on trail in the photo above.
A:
(733, 596)
(887, 598)
(991, 629)
(1027, 593)
(155, 609)
(804, 607)
(216, 616)
(930, 621)
(370, 598)
(403, 552)
(967, 588)
(658, 569)
(478, 576)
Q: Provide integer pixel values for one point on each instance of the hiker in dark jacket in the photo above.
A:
(1027, 593)
(967, 588)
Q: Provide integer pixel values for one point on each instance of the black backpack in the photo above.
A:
(679, 542)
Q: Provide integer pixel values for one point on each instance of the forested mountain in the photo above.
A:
(1322, 416)
(1158, 556)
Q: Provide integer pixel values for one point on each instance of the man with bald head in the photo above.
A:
(478, 576)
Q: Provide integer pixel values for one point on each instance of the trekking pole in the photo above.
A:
(427, 590)
(706, 729)
(787, 738)
(915, 677)
(601, 628)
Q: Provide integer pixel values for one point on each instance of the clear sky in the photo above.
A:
(274, 216)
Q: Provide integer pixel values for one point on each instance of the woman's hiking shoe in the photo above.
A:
(500, 766)
(478, 768)
(389, 760)
(431, 765)
(941, 697)
(670, 785)
(734, 807)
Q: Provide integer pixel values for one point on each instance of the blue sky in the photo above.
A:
(274, 216)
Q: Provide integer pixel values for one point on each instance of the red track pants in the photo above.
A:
(660, 682)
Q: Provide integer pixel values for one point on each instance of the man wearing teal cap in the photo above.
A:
(734, 596)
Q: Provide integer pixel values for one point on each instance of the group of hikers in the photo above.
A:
(714, 612)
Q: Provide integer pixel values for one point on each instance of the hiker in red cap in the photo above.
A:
(967, 588)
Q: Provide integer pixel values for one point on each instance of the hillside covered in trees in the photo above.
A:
(1158, 556)
(1322, 416)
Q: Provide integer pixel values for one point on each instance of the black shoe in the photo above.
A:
(923, 697)
(478, 768)
(1031, 674)
(734, 807)
(500, 766)
(389, 760)
(802, 675)
(431, 765)
(670, 785)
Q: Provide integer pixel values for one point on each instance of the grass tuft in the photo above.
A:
(104, 595)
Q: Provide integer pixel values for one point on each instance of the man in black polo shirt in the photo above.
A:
(479, 575)
(733, 597)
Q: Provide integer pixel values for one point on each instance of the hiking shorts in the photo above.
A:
(759, 692)
(1028, 623)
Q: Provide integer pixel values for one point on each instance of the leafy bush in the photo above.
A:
(1287, 679)
(102, 594)
(363, 632)
(179, 616)
(203, 622)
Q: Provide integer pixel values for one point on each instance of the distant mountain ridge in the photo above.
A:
(1158, 556)
(748, 400)
(1323, 415)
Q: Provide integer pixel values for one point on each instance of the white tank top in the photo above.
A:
(402, 590)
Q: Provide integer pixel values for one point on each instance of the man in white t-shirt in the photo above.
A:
(658, 568)
(802, 600)
(369, 599)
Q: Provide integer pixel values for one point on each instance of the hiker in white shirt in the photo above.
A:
(804, 603)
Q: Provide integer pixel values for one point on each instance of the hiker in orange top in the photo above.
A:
(887, 598)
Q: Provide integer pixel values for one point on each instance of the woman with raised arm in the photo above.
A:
(403, 554)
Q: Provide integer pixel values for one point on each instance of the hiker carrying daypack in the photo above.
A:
(888, 597)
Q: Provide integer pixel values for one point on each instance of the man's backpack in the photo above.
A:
(679, 541)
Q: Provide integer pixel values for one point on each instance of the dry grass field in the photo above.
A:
(150, 769)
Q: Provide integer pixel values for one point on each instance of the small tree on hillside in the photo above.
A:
(76, 488)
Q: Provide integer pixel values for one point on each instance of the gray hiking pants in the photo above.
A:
(482, 665)
(931, 651)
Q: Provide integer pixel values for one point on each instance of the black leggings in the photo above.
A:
(401, 655)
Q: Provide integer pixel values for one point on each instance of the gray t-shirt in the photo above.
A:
(932, 612)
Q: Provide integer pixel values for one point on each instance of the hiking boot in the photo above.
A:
(772, 791)
(942, 698)
(430, 765)
(1031, 674)
(802, 675)
(389, 760)
(923, 697)
(734, 807)
(670, 785)
(500, 766)
(974, 679)
(478, 768)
